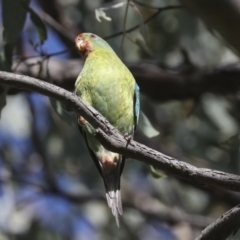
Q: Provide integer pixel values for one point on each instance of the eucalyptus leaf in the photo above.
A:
(232, 142)
(99, 13)
(61, 110)
(3, 97)
(141, 43)
(14, 14)
(117, 5)
(156, 173)
(142, 27)
(217, 110)
(68, 117)
(114, 6)
(146, 126)
(39, 24)
(6, 57)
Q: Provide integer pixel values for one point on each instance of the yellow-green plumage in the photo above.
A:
(106, 84)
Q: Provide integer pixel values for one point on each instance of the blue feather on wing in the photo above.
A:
(136, 105)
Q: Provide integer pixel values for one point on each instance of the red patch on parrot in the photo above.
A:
(108, 163)
(82, 45)
(86, 49)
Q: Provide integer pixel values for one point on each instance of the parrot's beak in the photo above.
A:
(81, 45)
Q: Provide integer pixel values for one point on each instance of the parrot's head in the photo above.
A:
(89, 42)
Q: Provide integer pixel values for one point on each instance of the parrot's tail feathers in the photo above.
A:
(115, 203)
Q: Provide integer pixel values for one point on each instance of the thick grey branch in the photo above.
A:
(50, 90)
(223, 227)
(113, 140)
(174, 167)
(155, 82)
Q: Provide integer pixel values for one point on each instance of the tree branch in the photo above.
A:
(223, 227)
(114, 141)
(159, 10)
(162, 84)
(149, 206)
(157, 83)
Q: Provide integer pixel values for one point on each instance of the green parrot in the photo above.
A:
(106, 84)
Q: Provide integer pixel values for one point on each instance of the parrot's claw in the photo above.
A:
(81, 121)
(128, 137)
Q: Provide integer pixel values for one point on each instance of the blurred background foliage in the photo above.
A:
(49, 187)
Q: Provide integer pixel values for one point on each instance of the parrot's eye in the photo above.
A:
(93, 36)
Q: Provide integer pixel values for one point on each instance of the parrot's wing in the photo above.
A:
(111, 181)
(136, 105)
(94, 158)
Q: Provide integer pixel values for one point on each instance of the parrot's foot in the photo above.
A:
(128, 138)
(81, 121)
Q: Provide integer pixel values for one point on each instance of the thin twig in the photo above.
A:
(145, 21)
(112, 35)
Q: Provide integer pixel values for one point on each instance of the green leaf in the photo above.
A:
(142, 27)
(61, 110)
(6, 57)
(155, 173)
(217, 110)
(14, 15)
(99, 13)
(68, 117)
(115, 6)
(146, 126)
(39, 24)
(5, 65)
(142, 45)
(3, 97)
